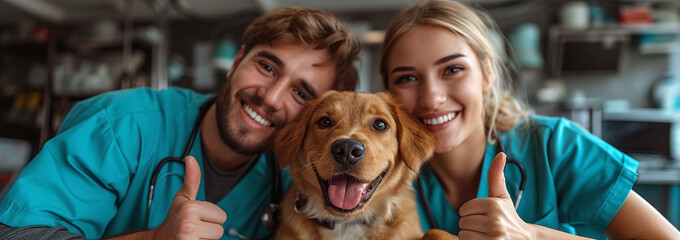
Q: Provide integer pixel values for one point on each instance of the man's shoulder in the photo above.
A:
(144, 100)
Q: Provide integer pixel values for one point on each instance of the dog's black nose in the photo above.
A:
(347, 151)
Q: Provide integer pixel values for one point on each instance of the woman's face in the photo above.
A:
(438, 78)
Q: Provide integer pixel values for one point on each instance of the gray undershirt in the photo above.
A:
(37, 233)
(219, 183)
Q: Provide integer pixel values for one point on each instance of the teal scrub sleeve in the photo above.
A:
(592, 178)
(76, 180)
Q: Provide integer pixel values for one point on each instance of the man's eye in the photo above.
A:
(405, 79)
(301, 94)
(267, 68)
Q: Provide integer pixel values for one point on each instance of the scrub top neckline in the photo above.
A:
(483, 187)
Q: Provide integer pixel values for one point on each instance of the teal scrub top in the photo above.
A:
(575, 182)
(93, 176)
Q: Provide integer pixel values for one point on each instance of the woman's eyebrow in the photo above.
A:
(402, 69)
(440, 61)
(449, 58)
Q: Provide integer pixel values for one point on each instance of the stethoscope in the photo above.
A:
(270, 215)
(428, 210)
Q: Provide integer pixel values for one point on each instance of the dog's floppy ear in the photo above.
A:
(416, 144)
(289, 139)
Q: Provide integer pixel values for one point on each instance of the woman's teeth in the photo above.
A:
(438, 120)
(259, 119)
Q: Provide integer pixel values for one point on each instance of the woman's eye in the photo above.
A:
(324, 122)
(405, 79)
(380, 125)
(452, 70)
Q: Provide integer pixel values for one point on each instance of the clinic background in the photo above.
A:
(613, 66)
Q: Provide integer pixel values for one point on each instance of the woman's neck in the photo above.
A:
(459, 170)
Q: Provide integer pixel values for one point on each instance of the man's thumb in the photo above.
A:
(497, 177)
(192, 179)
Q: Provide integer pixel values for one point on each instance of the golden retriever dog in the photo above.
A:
(352, 158)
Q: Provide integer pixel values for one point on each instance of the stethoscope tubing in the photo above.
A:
(276, 194)
(185, 153)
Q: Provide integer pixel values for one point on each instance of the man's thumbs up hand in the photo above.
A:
(187, 217)
(493, 217)
(192, 179)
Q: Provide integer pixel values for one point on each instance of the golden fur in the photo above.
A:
(397, 153)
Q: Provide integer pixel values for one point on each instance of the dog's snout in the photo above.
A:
(347, 152)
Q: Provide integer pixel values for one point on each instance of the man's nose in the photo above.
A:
(274, 95)
(432, 93)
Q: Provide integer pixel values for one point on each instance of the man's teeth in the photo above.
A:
(438, 120)
(259, 119)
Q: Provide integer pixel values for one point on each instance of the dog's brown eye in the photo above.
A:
(380, 126)
(324, 122)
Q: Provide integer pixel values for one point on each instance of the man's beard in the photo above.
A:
(235, 139)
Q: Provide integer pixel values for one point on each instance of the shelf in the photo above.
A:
(655, 28)
(650, 1)
(633, 29)
(20, 131)
(22, 44)
(23, 48)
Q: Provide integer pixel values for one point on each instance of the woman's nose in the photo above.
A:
(432, 94)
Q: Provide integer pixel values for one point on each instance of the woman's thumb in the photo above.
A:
(496, 177)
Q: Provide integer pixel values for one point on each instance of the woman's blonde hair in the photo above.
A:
(500, 110)
(313, 27)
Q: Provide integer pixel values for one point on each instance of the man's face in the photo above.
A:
(268, 88)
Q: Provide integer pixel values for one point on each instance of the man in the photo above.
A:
(93, 178)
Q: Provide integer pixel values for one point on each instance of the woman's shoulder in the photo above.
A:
(534, 124)
(550, 125)
(560, 136)
(556, 133)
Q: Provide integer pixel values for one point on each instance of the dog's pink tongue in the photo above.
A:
(345, 193)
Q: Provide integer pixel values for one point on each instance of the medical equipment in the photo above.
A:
(430, 216)
(270, 215)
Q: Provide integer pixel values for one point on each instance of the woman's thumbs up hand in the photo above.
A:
(494, 217)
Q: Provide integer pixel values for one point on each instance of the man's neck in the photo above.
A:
(222, 156)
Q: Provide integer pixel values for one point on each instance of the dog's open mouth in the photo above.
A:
(345, 193)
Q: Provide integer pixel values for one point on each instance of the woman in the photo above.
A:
(438, 60)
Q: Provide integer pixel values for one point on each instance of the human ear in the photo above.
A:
(237, 61)
(489, 75)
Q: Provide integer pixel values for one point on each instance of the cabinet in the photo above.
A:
(25, 101)
(603, 50)
(41, 80)
(24, 90)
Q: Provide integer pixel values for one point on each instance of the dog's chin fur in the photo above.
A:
(396, 153)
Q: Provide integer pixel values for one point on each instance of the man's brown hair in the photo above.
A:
(312, 27)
